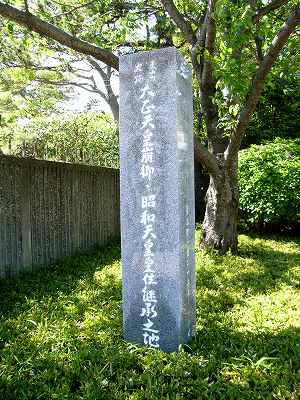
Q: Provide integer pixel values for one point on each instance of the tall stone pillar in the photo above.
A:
(157, 199)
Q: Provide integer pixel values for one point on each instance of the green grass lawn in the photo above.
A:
(61, 331)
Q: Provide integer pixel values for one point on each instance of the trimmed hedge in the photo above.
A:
(269, 179)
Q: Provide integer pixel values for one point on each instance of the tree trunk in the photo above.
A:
(114, 106)
(222, 201)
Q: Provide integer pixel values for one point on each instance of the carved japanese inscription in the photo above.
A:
(157, 199)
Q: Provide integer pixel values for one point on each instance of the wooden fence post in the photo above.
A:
(26, 217)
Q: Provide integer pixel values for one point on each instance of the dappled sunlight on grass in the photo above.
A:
(61, 331)
(271, 312)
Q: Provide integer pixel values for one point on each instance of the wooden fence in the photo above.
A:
(50, 210)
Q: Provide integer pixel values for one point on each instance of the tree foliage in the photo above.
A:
(232, 45)
(269, 179)
(37, 75)
(88, 138)
(244, 31)
(277, 113)
(21, 93)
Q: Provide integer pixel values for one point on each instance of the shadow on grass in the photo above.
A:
(278, 237)
(276, 266)
(60, 277)
(245, 365)
(268, 268)
(61, 338)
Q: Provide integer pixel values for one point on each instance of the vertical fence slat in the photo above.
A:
(49, 210)
(26, 217)
(75, 211)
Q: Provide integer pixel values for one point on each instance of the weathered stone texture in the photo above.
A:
(156, 150)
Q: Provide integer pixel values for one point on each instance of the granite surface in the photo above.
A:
(157, 199)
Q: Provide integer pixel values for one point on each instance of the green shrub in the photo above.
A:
(88, 138)
(269, 178)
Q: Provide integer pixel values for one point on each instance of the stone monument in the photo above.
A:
(157, 199)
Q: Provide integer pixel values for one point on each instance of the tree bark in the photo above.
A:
(221, 215)
(109, 97)
(114, 106)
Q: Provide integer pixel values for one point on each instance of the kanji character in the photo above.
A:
(149, 279)
(138, 79)
(148, 231)
(147, 147)
(151, 340)
(147, 326)
(148, 264)
(149, 201)
(147, 108)
(149, 311)
(146, 92)
(147, 158)
(147, 171)
(149, 295)
(147, 218)
(147, 121)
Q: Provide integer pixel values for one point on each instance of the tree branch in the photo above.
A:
(75, 9)
(207, 159)
(258, 14)
(267, 9)
(180, 21)
(30, 66)
(104, 75)
(259, 52)
(26, 6)
(43, 28)
(97, 68)
(110, 97)
(211, 28)
(78, 75)
(208, 81)
(258, 82)
(88, 87)
(76, 69)
(136, 43)
(92, 86)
